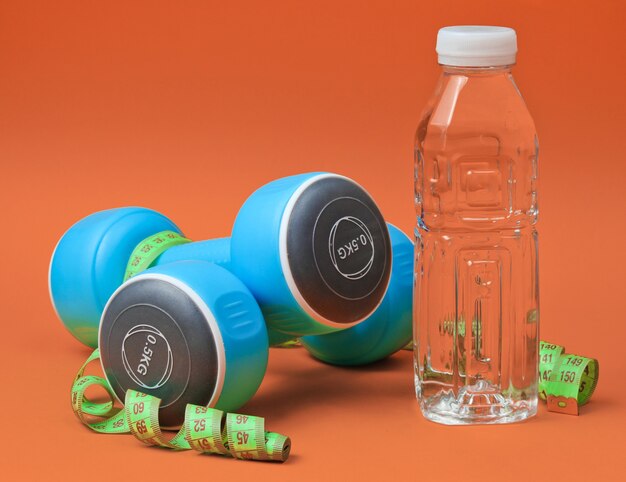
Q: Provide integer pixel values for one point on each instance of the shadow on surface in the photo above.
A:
(297, 387)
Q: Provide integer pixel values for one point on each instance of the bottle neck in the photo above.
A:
(477, 71)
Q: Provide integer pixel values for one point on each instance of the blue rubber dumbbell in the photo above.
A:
(313, 249)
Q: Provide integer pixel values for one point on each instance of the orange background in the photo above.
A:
(187, 107)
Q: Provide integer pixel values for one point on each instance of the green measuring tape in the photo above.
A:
(566, 381)
(146, 252)
(206, 430)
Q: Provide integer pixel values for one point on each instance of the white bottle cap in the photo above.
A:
(476, 46)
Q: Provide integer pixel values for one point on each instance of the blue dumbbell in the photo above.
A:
(313, 249)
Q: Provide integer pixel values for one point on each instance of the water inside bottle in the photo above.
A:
(476, 285)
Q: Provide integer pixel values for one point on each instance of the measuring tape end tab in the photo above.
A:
(566, 405)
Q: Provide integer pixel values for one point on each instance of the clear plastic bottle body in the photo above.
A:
(476, 272)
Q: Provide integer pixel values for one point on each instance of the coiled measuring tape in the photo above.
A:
(206, 430)
(566, 381)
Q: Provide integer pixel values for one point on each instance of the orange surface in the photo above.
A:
(187, 107)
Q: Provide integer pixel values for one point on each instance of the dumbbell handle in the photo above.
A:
(213, 250)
